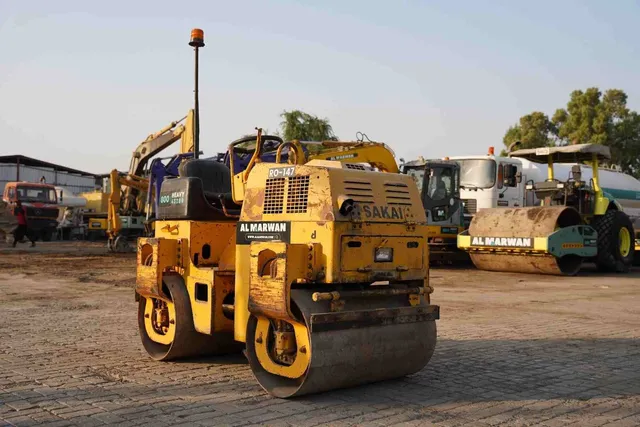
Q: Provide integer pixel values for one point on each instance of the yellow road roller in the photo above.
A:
(318, 270)
(573, 220)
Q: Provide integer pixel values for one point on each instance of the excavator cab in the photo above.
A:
(439, 184)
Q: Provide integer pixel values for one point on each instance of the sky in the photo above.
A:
(82, 83)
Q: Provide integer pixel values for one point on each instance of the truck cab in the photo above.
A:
(489, 181)
(40, 202)
(438, 182)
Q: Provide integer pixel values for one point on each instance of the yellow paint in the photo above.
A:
(624, 239)
(550, 167)
(243, 274)
(301, 362)
(317, 252)
(464, 241)
(97, 224)
(97, 202)
(187, 135)
(540, 244)
(601, 202)
(572, 246)
(161, 338)
(353, 258)
(178, 246)
(378, 155)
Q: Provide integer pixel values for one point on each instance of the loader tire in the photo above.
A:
(615, 242)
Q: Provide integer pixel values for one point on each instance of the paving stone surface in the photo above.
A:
(514, 350)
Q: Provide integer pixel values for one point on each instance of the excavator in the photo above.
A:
(318, 267)
(439, 184)
(126, 200)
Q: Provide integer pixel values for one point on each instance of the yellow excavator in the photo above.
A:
(319, 268)
(126, 198)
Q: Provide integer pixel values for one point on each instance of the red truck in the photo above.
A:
(41, 204)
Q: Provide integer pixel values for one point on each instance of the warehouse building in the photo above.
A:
(23, 168)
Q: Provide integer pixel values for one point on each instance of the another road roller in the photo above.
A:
(574, 221)
(320, 271)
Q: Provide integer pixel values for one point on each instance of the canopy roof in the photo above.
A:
(564, 154)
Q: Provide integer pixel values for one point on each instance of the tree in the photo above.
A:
(589, 117)
(625, 144)
(302, 126)
(533, 130)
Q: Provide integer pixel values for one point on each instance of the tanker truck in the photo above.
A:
(489, 181)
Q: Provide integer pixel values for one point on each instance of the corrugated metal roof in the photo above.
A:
(30, 161)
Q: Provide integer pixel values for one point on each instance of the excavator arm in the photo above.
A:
(156, 142)
(147, 149)
(376, 154)
(114, 224)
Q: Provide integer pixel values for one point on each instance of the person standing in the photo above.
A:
(21, 231)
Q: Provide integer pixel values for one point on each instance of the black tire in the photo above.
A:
(609, 258)
(187, 342)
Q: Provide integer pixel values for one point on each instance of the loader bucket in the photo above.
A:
(542, 240)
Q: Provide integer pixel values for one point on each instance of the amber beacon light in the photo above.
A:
(197, 38)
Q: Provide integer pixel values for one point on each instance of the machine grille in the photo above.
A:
(470, 206)
(42, 212)
(355, 166)
(297, 194)
(274, 196)
(397, 193)
(359, 191)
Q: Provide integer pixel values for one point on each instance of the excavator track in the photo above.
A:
(344, 353)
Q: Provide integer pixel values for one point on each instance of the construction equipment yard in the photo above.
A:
(514, 349)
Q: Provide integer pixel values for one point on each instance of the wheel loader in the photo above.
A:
(575, 222)
(318, 270)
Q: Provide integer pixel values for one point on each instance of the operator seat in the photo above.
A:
(201, 192)
(215, 176)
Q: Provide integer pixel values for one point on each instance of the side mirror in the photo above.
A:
(518, 177)
(61, 197)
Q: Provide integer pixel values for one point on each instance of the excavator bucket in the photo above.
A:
(542, 240)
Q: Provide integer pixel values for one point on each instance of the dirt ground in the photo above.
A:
(513, 349)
